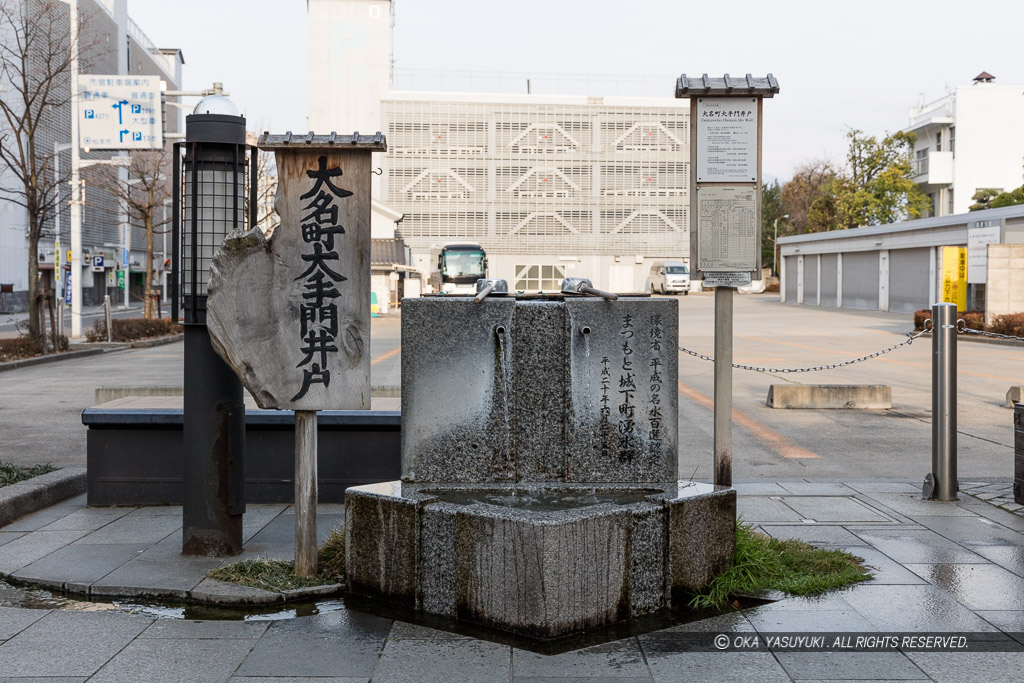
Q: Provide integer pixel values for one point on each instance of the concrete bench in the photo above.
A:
(830, 396)
(1014, 395)
(134, 451)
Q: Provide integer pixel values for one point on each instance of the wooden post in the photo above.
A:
(305, 492)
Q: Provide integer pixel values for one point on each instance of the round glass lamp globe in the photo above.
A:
(216, 104)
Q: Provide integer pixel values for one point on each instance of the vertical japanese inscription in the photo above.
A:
(627, 393)
(654, 414)
(605, 429)
(318, 313)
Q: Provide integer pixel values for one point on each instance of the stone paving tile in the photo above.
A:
(991, 667)
(814, 488)
(419, 661)
(14, 620)
(619, 659)
(1010, 621)
(30, 547)
(141, 577)
(733, 622)
(873, 487)
(170, 661)
(768, 620)
(913, 608)
(293, 679)
(402, 630)
(43, 679)
(998, 515)
(196, 629)
(281, 531)
(258, 516)
(69, 643)
(972, 531)
(849, 666)
(88, 519)
(815, 534)
(759, 488)
(38, 520)
(157, 511)
(135, 529)
(833, 509)
(919, 546)
(884, 569)
(8, 536)
(75, 565)
(1007, 557)
(721, 667)
(344, 643)
(978, 586)
(912, 505)
(764, 509)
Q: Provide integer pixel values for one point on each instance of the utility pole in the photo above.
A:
(76, 189)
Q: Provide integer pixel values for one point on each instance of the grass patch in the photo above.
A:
(791, 566)
(279, 575)
(12, 474)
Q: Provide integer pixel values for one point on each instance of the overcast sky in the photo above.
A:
(839, 64)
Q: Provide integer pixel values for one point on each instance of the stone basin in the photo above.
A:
(537, 559)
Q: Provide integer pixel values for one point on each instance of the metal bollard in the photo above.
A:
(106, 316)
(941, 484)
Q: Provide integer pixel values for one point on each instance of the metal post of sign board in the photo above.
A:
(941, 484)
(725, 215)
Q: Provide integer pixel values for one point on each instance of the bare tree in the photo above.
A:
(143, 195)
(35, 59)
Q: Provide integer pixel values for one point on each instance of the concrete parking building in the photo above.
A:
(551, 186)
(898, 267)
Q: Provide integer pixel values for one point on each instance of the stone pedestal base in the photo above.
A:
(539, 560)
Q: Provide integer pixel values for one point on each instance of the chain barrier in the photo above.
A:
(961, 327)
(817, 368)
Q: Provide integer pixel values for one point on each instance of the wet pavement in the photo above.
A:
(942, 570)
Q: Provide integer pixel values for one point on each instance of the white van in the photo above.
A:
(670, 276)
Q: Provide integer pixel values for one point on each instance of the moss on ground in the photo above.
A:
(12, 474)
(279, 575)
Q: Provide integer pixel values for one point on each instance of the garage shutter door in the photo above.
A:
(860, 280)
(829, 262)
(791, 276)
(811, 280)
(908, 280)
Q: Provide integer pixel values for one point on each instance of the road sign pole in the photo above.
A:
(76, 199)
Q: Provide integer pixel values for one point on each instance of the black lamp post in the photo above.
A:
(212, 205)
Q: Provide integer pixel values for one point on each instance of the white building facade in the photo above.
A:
(550, 186)
(969, 140)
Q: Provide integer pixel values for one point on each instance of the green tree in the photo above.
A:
(875, 186)
(771, 210)
(988, 198)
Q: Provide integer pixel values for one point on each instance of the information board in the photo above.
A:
(726, 228)
(119, 112)
(726, 140)
(980, 234)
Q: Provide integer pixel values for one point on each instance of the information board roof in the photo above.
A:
(726, 85)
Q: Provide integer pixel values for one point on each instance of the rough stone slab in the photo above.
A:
(540, 396)
(545, 579)
(26, 497)
(702, 540)
(259, 285)
(634, 341)
(647, 560)
(438, 542)
(14, 620)
(470, 661)
(455, 414)
(31, 547)
(830, 396)
(381, 546)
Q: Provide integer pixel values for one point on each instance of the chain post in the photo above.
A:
(941, 482)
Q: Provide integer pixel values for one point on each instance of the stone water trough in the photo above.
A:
(539, 489)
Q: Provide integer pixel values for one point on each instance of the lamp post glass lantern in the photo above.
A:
(216, 180)
(210, 203)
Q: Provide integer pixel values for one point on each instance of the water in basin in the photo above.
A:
(543, 499)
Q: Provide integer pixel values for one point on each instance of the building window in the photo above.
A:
(950, 209)
(538, 278)
(938, 141)
(952, 140)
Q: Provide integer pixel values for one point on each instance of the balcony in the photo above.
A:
(934, 169)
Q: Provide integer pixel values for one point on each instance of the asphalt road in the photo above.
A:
(40, 406)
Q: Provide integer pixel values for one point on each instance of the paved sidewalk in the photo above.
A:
(939, 567)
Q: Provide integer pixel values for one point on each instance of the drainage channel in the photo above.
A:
(28, 597)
